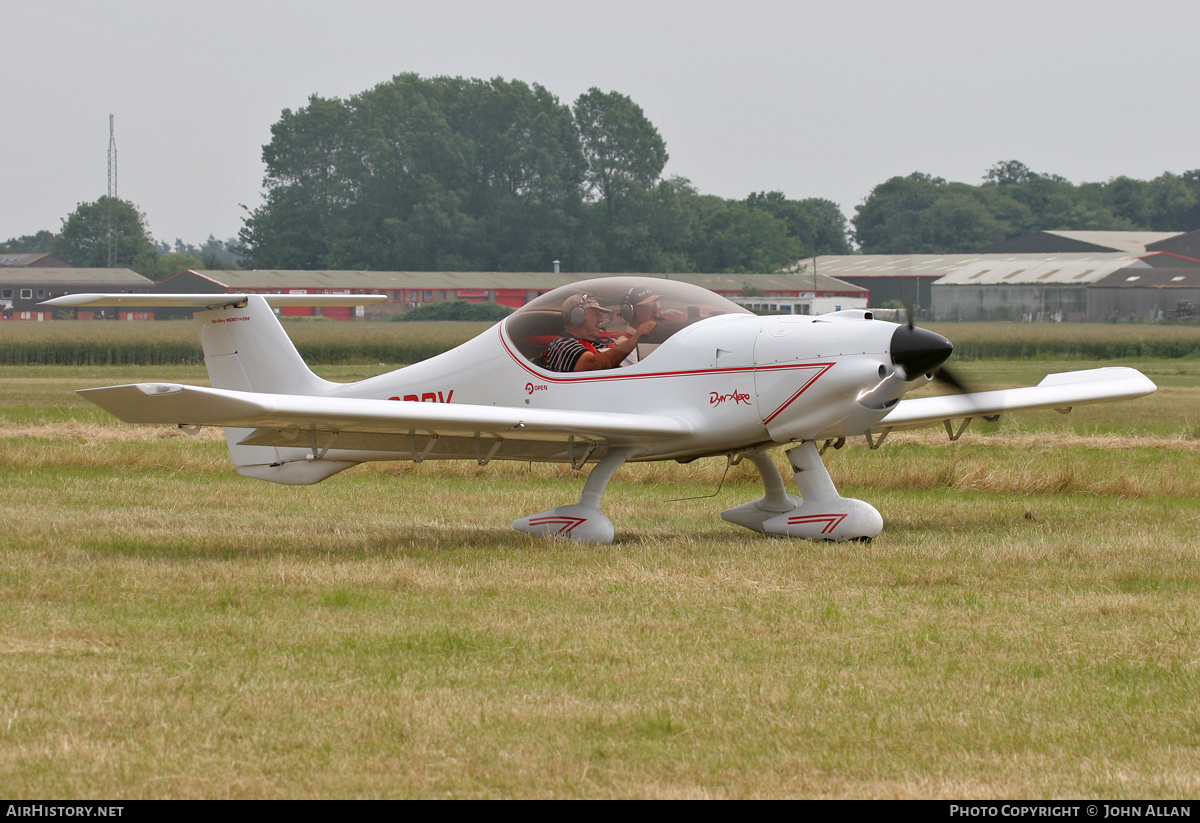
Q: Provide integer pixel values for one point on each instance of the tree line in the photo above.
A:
(925, 214)
(83, 241)
(462, 174)
(471, 175)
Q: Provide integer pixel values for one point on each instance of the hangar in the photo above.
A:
(1050, 275)
(889, 278)
(22, 288)
(1156, 287)
(1027, 288)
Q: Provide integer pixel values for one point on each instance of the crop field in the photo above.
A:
(328, 342)
(1027, 625)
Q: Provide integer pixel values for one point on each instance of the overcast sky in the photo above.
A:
(815, 99)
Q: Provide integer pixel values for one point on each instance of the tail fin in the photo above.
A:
(246, 349)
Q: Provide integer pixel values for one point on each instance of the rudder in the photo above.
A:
(246, 349)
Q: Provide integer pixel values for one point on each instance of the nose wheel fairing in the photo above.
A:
(820, 513)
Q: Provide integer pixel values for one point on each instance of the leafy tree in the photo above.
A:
(1189, 219)
(624, 155)
(743, 240)
(624, 152)
(440, 173)
(920, 213)
(1130, 199)
(29, 243)
(1170, 199)
(84, 237)
(959, 221)
(818, 225)
(832, 233)
(674, 227)
(1055, 204)
(1009, 172)
(219, 254)
(891, 219)
(306, 192)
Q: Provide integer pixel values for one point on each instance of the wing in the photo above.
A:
(1056, 391)
(404, 429)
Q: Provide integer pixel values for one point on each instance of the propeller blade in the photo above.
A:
(944, 375)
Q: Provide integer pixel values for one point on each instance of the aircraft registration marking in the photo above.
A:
(426, 397)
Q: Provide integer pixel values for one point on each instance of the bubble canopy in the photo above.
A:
(533, 326)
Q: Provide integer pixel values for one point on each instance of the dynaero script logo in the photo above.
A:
(716, 398)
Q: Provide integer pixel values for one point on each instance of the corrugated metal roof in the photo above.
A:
(1058, 269)
(802, 281)
(74, 277)
(884, 265)
(1147, 277)
(382, 280)
(1133, 242)
(932, 265)
(1166, 259)
(7, 259)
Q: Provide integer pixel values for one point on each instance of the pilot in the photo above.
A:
(639, 307)
(583, 347)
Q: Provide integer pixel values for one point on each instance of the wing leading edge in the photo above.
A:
(1056, 391)
(289, 416)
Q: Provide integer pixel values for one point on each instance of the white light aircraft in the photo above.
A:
(713, 379)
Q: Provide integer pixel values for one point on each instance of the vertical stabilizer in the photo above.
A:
(246, 349)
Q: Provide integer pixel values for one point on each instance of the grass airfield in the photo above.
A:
(1027, 626)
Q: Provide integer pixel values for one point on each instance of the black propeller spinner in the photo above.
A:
(919, 351)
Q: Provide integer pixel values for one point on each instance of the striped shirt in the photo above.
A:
(564, 353)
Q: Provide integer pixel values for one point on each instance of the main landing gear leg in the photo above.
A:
(819, 514)
(775, 500)
(584, 521)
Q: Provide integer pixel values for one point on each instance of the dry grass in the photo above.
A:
(1026, 627)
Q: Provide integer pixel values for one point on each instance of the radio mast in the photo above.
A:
(112, 194)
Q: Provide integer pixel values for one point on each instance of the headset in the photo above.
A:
(573, 311)
(628, 310)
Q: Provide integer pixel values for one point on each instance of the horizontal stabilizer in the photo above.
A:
(210, 301)
(1056, 391)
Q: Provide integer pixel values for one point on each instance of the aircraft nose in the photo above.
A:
(919, 351)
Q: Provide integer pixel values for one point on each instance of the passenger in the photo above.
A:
(582, 346)
(639, 307)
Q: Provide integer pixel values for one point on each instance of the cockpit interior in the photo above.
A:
(538, 323)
